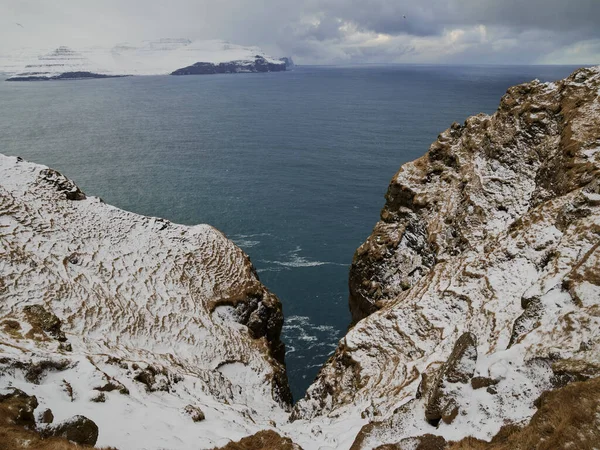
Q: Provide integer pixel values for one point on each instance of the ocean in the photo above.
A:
(291, 166)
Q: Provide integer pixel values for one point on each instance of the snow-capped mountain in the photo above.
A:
(161, 57)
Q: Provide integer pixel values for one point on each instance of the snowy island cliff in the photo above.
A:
(475, 301)
(160, 57)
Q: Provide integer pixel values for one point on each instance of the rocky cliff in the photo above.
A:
(141, 325)
(476, 305)
(479, 288)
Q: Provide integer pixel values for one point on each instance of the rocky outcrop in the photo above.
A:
(491, 241)
(443, 402)
(263, 440)
(259, 65)
(17, 407)
(77, 429)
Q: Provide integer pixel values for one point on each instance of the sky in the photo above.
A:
(325, 31)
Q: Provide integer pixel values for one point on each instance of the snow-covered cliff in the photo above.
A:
(161, 57)
(480, 287)
(127, 320)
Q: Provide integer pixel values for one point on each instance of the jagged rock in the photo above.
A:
(46, 416)
(112, 385)
(18, 407)
(194, 412)
(65, 347)
(425, 442)
(78, 429)
(62, 184)
(460, 365)
(154, 379)
(35, 372)
(459, 368)
(529, 320)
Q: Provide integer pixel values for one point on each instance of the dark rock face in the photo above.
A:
(528, 320)
(262, 313)
(78, 429)
(19, 407)
(482, 382)
(396, 255)
(259, 65)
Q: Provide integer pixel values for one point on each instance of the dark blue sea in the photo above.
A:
(292, 166)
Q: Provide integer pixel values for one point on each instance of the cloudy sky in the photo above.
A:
(326, 31)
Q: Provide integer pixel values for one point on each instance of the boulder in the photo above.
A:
(78, 429)
(46, 416)
(18, 407)
(194, 412)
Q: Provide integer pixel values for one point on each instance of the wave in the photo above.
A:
(245, 243)
(302, 334)
(294, 260)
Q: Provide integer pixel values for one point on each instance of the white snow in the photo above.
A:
(160, 57)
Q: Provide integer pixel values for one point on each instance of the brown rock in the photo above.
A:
(194, 412)
(263, 440)
(18, 407)
(78, 429)
(42, 319)
(67, 187)
(425, 442)
(482, 382)
(46, 416)
(459, 368)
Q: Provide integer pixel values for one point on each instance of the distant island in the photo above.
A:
(161, 57)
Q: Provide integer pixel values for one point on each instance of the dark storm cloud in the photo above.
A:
(327, 31)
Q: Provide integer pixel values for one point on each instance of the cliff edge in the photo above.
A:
(161, 334)
(479, 288)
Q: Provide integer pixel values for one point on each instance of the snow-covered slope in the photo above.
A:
(480, 286)
(159, 57)
(128, 319)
